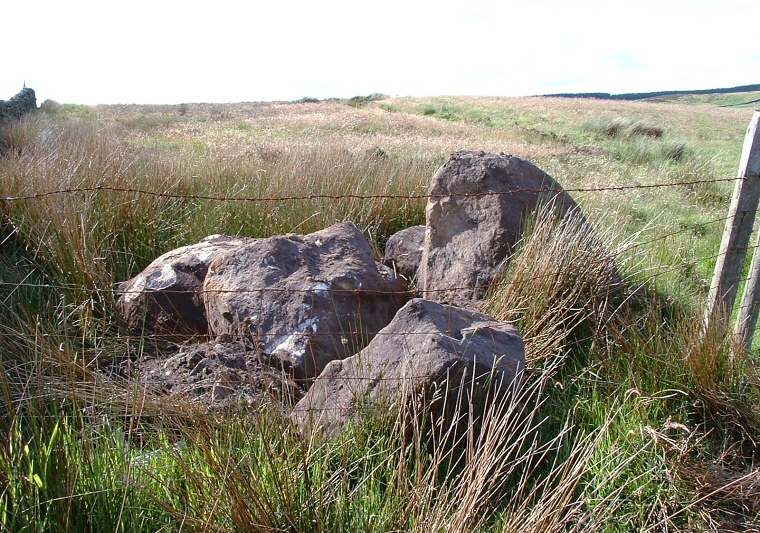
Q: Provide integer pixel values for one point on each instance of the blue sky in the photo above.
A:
(92, 52)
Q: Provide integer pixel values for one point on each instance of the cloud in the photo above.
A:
(170, 52)
(624, 61)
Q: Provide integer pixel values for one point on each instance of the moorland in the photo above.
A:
(632, 417)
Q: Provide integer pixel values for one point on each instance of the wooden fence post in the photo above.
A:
(741, 218)
(749, 309)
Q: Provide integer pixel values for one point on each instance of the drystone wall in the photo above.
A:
(18, 106)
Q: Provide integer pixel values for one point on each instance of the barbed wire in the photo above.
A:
(244, 338)
(115, 289)
(655, 273)
(254, 199)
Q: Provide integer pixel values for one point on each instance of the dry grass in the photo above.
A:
(563, 278)
(278, 124)
(574, 449)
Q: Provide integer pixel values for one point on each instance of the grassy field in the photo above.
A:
(631, 418)
(746, 100)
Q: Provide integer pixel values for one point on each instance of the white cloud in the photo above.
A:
(170, 52)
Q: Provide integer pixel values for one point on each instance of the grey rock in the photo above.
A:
(166, 298)
(303, 300)
(403, 251)
(476, 212)
(427, 347)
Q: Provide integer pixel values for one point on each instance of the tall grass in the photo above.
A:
(573, 293)
(564, 283)
(629, 417)
(85, 242)
(80, 457)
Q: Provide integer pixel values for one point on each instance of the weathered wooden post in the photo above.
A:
(750, 305)
(741, 218)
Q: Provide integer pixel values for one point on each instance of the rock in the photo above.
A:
(428, 346)
(304, 300)
(18, 106)
(222, 387)
(166, 298)
(215, 374)
(403, 251)
(13, 110)
(475, 215)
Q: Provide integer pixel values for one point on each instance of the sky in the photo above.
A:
(170, 52)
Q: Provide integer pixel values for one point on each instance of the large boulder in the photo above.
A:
(428, 347)
(304, 300)
(166, 298)
(403, 251)
(476, 212)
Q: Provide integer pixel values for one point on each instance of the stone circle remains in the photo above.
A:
(317, 316)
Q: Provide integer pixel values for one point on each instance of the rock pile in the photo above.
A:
(319, 312)
(295, 302)
(18, 106)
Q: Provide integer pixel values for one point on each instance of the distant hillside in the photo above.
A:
(741, 96)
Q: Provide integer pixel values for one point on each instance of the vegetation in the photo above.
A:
(747, 99)
(630, 416)
(727, 96)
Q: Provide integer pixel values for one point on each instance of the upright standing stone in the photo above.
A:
(475, 214)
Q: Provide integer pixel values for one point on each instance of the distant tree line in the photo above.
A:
(641, 96)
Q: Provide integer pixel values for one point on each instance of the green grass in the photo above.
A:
(743, 100)
(631, 417)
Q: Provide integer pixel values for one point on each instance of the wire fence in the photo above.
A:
(660, 270)
(84, 337)
(254, 199)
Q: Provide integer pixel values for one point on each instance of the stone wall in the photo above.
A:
(18, 106)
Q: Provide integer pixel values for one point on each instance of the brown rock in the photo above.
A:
(428, 346)
(303, 300)
(475, 215)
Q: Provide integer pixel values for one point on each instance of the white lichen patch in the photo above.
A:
(162, 279)
(136, 288)
(295, 343)
(321, 289)
(270, 261)
(204, 256)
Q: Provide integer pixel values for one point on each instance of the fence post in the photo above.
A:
(749, 309)
(741, 218)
